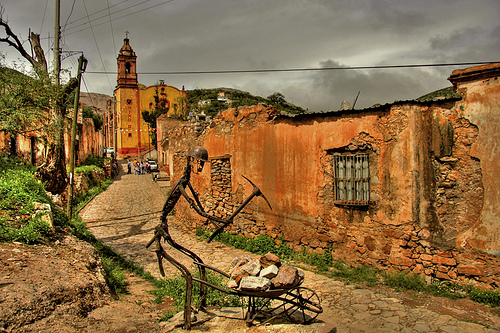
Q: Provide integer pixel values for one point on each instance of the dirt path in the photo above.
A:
(124, 218)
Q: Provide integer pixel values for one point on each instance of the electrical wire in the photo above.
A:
(98, 12)
(112, 32)
(43, 18)
(117, 18)
(70, 13)
(103, 16)
(97, 46)
(307, 69)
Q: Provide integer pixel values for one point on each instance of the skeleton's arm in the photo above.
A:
(196, 205)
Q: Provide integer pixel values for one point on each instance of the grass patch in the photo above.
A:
(261, 244)
(355, 274)
(115, 278)
(490, 297)
(402, 281)
(176, 288)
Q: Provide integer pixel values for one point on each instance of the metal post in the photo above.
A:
(82, 64)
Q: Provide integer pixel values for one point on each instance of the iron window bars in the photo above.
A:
(352, 179)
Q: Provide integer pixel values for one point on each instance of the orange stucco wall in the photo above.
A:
(434, 193)
(481, 106)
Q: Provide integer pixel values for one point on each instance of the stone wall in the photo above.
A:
(219, 201)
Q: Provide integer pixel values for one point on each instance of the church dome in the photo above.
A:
(126, 49)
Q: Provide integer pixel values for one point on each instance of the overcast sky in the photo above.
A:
(221, 35)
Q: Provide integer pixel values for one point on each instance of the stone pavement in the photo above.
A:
(124, 218)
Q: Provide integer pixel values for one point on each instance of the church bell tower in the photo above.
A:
(130, 136)
(127, 70)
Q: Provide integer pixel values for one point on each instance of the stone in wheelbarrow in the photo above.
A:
(255, 283)
(288, 277)
(251, 268)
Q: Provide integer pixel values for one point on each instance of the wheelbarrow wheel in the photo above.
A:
(302, 305)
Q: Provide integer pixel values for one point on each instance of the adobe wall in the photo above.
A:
(88, 143)
(480, 88)
(432, 193)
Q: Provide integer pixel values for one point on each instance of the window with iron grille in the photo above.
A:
(352, 179)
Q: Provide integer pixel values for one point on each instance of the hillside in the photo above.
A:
(95, 99)
(218, 99)
(444, 93)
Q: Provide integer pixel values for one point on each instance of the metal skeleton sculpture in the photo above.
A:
(196, 159)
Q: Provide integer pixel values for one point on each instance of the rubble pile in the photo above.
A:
(263, 274)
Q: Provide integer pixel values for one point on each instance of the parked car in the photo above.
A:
(109, 150)
(153, 165)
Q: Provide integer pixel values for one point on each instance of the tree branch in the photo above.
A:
(40, 63)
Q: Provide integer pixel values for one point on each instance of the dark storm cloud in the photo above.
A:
(195, 35)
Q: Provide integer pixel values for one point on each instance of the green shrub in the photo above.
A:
(354, 273)
(261, 244)
(96, 160)
(166, 316)
(87, 169)
(490, 297)
(29, 233)
(400, 280)
(445, 289)
(322, 262)
(18, 191)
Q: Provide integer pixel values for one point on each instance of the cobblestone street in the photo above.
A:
(124, 218)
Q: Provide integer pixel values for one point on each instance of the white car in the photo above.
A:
(153, 165)
(109, 150)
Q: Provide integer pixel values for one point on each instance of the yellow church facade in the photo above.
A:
(133, 134)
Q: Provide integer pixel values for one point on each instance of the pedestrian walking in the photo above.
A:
(129, 167)
(137, 169)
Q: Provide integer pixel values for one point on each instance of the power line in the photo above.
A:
(117, 18)
(103, 16)
(111, 26)
(70, 13)
(307, 69)
(97, 46)
(98, 12)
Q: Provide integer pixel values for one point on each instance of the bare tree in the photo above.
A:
(53, 171)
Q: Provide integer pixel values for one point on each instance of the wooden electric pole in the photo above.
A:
(57, 38)
(82, 65)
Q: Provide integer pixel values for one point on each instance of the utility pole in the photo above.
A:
(82, 65)
(57, 37)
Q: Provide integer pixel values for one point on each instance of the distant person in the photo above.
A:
(129, 167)
(137, 168)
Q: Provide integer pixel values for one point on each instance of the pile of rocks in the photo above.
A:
(263, 274)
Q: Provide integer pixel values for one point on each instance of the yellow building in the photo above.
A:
(131, 98)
